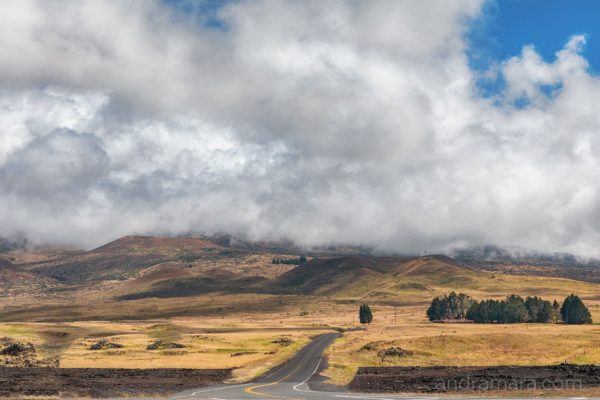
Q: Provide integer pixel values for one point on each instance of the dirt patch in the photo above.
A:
(394, 352)
(103, 382)
(161, 345)
(371, 346)
(242, 353)
(283, 341)
(480, 379)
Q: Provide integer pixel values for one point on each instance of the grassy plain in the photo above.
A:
(428, 344)
(249, 348)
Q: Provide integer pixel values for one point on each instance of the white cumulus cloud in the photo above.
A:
(322, 122)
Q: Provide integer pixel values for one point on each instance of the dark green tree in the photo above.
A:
(302, 259)
(436, 309)
(540, 311)
(573, 311)
(514, 310)
(452, 306)
(365, 315)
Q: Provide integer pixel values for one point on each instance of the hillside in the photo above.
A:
(156, 245)
(333, 275)
(123, 258)
(148, 277)
(521, 261)
(361, 274)
(15, 281)
(143, 267)
(414, 280)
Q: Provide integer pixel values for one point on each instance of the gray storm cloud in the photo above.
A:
(321, 122)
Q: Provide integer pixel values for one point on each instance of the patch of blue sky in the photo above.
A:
(506, 26)
(204, 12)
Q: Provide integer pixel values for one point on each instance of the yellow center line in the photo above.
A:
(251, 389)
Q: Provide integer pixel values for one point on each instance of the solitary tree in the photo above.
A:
(573, 311)
(364, 314)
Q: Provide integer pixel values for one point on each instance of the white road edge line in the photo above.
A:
(295, 387)
(306, 380)
(183, 396)
(349, 395)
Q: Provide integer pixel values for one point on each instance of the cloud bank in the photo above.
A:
(320, 122)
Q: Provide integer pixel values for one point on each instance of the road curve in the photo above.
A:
(285, 381)
(289, 381)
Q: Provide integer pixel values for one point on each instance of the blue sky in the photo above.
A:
(508, 25)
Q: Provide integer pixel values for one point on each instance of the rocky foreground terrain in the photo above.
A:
(104, 382)
(464, 379)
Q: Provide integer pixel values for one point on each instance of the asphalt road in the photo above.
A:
(289, 381)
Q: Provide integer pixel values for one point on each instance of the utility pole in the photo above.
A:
(395, 315)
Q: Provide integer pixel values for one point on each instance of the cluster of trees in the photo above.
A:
(514, 309)
(450, 307)
(292, 261)
(365, 316)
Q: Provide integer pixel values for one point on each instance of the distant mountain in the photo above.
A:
(522, 261)
(286, 246)
(124, 257)
(156, 245)
(148, 266)
(520, 255)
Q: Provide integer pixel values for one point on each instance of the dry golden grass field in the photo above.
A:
(251, 349)
(247, 340)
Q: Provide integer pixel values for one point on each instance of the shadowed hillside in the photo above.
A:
(16, 280)
(360, 275)
(335, 274)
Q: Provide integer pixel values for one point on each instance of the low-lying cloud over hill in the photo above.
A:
(318, 121)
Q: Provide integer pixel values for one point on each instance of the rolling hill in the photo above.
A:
(123, 258)
(359, 275)
(140, 277)
(139, 267)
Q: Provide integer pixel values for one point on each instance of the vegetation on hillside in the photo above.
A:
(291, 261)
